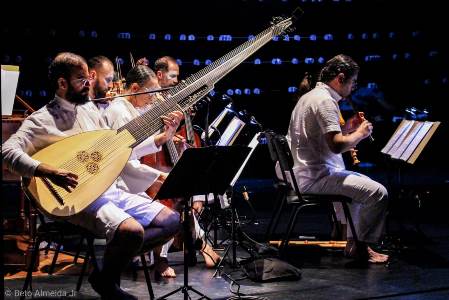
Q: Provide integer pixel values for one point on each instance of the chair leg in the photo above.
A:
(147, 276)
(83, 271)
(55, 257)
(77, 254)
(291, 225)
(334, 219)
(29, 277)
(349, 219)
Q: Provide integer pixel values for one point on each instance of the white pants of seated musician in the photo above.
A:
(368, 206)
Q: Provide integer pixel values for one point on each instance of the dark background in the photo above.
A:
(400, 46)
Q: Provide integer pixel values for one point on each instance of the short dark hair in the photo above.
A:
(97, 61)
(336, 65)
(161, 64)
(62, 66)
(139, 74)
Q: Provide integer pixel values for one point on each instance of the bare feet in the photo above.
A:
(375, 257)
(211, 258)
(362, 252)
(162, 268)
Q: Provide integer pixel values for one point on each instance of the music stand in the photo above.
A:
(200, 171)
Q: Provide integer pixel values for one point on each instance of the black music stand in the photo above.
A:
(200, 171)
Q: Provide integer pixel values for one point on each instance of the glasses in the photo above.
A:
(83, 81)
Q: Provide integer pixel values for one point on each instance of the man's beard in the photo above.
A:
(80, 97)
(99, 93)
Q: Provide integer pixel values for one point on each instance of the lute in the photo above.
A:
(98, 157)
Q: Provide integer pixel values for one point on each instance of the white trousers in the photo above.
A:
(368, 206)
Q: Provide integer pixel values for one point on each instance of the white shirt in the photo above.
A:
(315, 114)
(136, 177)
(53, 122)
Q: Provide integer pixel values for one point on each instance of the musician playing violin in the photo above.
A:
(317, 141)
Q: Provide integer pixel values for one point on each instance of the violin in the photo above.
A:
(165, 159)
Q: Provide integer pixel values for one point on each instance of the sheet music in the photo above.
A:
(254, 142)
(401, 135)
(9, 79)
(417, 140)
(402, 126)
(231, 132)
(408, 139)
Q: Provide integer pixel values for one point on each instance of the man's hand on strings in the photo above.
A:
(171, 123)
(61, 177)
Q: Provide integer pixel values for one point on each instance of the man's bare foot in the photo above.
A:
(211, 258)
(162, 268)
(362, 252)
(376, 257)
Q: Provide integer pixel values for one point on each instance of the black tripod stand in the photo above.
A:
(200, 171)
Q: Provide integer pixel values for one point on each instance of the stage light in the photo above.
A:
(19, 59)
(167, 37)
(247, 91)
(93, 34)
(179, 61)
(182, 37)
(328, 37)
(196, 62)
(120, 61)
(124, 35)
(313, 37)
(257, 61)
(276, 61)
(207, 62)
(292, 89)
(230, 92)
(225, 38)
(407, 55)
(238, 91)
(444, 80)
(427, 81)
(392, 35)
(212, 93)
(81, 33)
(152, 36)
(395, 56)
(275, 38)
(371, 85)
(309, 60)
(256, 91)
(297, 37)
(350, 36)
(286, 38)
(364, 36)
(29, 93)
(375, 35)
(6, 58)
(416, 34)
(321, 60)
(210, 37)
(251, 37)
(191, 37)
(295, 61)
(43, 93)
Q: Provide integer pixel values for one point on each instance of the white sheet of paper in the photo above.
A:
(400, 136)
(408, 139)
(417, 140)
(230, 132)
(10, 78)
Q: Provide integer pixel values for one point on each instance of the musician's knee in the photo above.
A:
(130, 232)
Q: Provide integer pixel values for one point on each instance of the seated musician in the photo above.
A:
(129, 221)
(316, 141)
(167, 73)
(123, 109)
